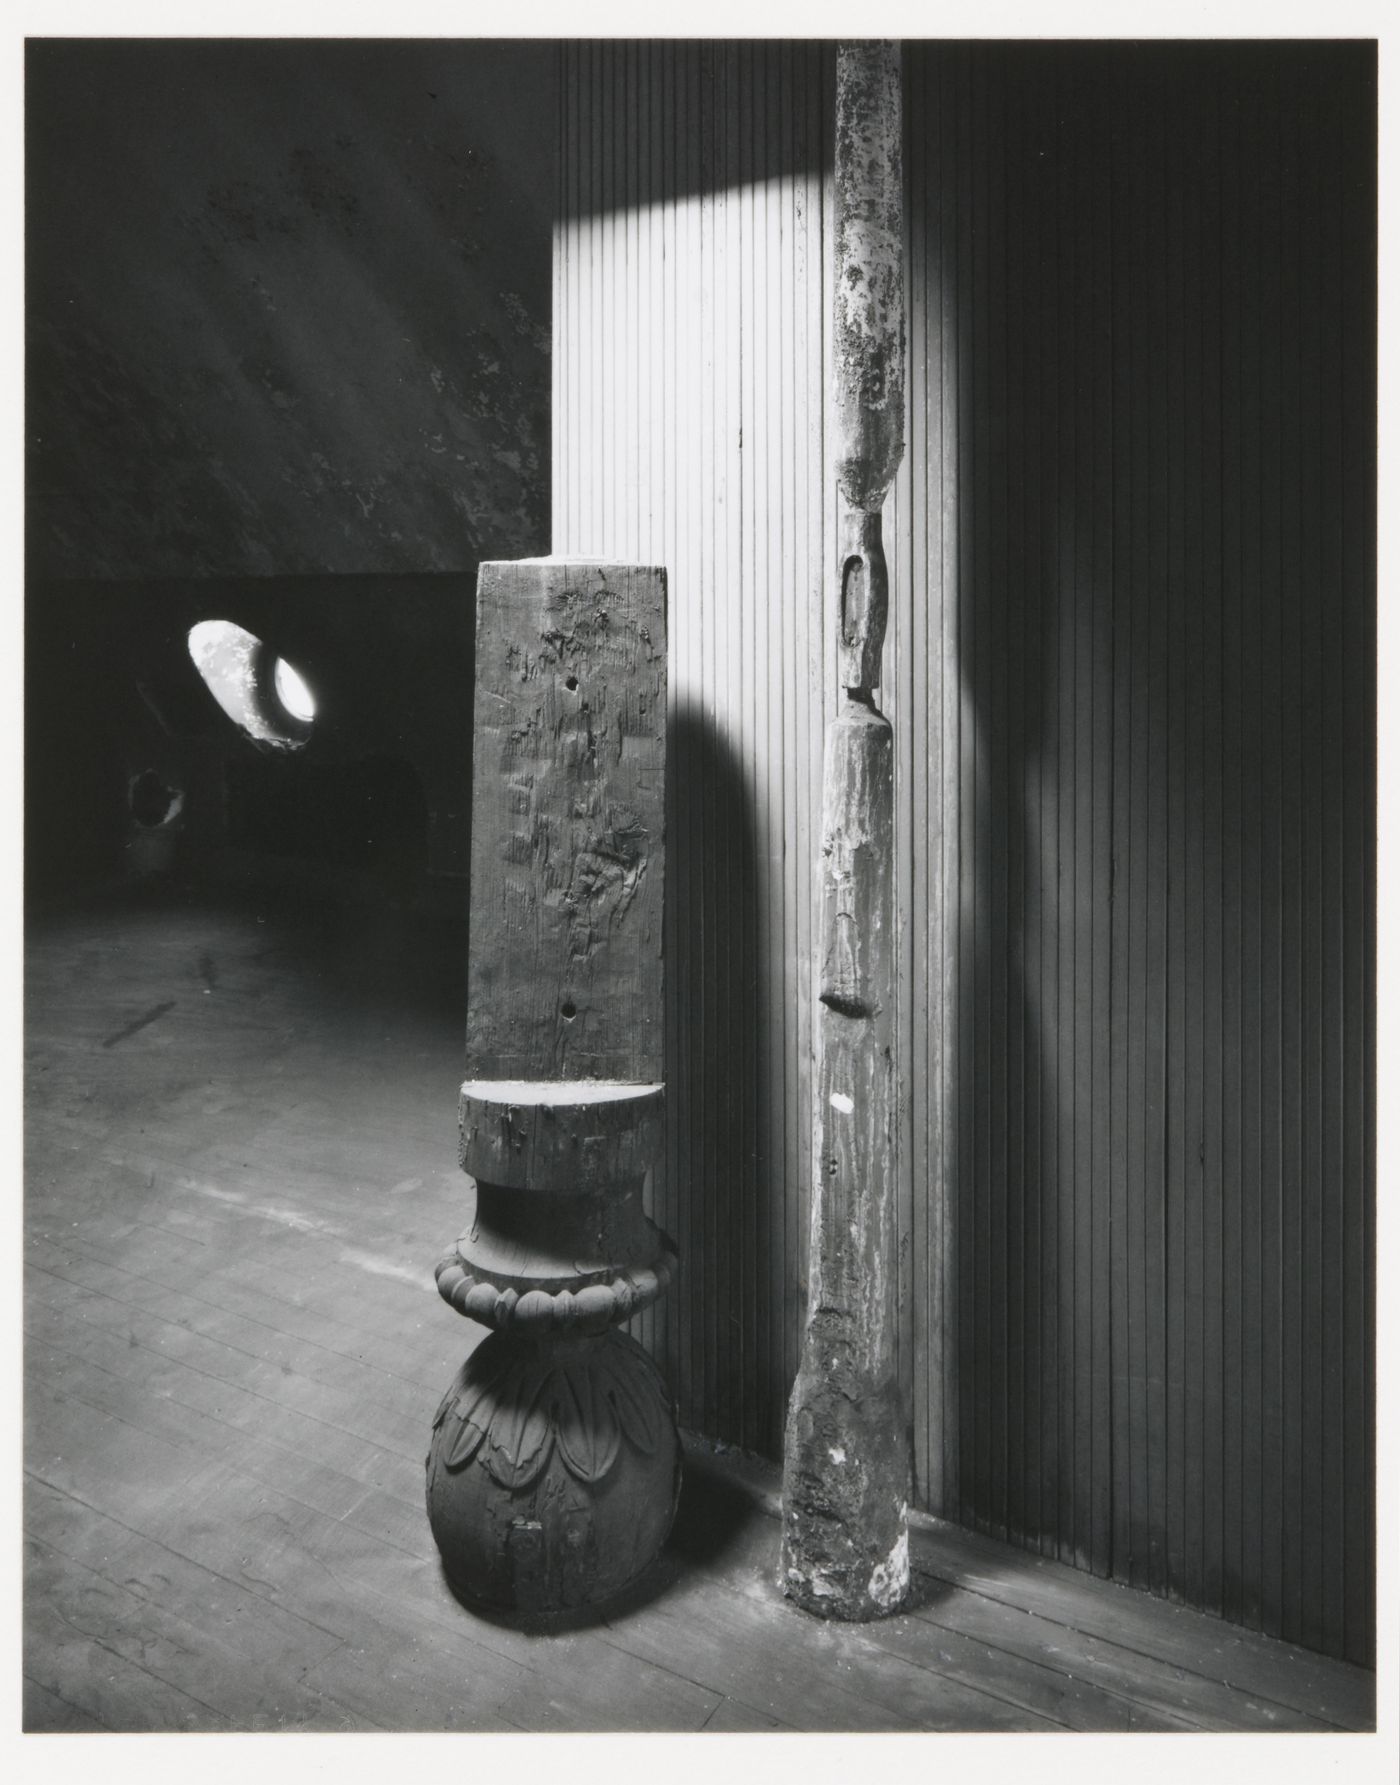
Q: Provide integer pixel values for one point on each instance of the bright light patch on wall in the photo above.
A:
(293, 692)
(263, 695)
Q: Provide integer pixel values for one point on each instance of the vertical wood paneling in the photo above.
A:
(1159, 1099)
(689, 407)
(1131, 673)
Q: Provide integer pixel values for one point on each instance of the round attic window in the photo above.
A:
(262, 693)
(293, 693)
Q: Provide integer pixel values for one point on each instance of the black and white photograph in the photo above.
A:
(700, 925)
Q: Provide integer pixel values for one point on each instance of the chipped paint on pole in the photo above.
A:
(847, 1455)
(868, 320)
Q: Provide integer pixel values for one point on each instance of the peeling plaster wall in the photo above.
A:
(289, 306)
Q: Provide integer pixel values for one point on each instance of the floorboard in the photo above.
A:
(1296, 1680)
(46, 1711)
(234, 1352)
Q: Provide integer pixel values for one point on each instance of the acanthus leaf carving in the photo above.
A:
(588, 1428)
(519, 1406)
(465, 1445)
(640, 1409)
(518, 1425)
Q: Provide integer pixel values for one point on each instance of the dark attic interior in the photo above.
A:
(893, 822)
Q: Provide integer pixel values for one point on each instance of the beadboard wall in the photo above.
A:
(1131, 672)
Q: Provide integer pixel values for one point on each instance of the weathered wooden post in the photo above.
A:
(555, 1465)
(847, 1456)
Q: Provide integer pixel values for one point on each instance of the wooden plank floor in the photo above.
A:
(239, 1172)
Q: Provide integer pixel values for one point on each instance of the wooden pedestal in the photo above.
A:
(555, 1465)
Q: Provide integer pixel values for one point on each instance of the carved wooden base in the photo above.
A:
(554, 1468)
(554, 1471)
(555, 1465)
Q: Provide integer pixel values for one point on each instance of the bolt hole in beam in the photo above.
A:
(264, 695)
(571, 683)
(568, 1010)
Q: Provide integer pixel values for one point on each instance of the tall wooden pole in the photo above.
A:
(847, 1456)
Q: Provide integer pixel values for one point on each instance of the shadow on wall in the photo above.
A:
(1155, 276)
(731, 92)
(716, 1069)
